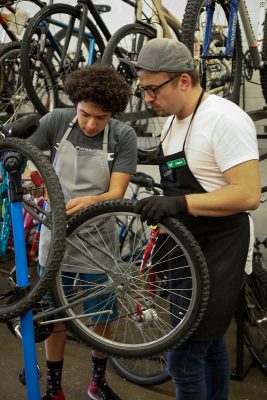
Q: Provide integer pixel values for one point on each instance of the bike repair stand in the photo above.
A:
(13, 163)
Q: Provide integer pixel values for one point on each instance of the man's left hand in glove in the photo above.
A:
(153, 208)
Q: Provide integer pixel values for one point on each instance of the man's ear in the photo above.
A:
(185, 80)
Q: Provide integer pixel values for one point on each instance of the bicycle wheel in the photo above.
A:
(263, 72)
(259, 219)
(126, 43)
(14, 99)
(144, 372)
(256, 315)
(14, 302)
(256, 289)
(143, 317)
(218, 74)
(44, 37)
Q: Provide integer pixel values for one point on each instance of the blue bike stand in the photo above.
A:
(27, 329)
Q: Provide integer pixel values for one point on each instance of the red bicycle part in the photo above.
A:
(153, 237)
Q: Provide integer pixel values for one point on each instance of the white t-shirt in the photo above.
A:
(221, 136)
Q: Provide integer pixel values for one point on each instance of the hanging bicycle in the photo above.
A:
(211, 31)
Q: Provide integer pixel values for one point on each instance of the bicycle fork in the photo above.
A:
(232, 26)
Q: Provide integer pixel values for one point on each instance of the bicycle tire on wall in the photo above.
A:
(30, 46)
(14, 99)
(127, 281)
(18, 306)
(226, 84)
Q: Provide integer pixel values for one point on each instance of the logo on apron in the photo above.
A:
(180, 162)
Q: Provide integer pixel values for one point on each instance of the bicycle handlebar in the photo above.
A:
(146, 181)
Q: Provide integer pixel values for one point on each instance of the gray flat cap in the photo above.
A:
(163, 54)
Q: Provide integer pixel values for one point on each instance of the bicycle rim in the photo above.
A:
(139, 313)
(15, 102)
(218, 75)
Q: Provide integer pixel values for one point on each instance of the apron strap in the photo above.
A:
(190, 123)
(105, 139)
(192, 118)
(68, 131)
(64, 138)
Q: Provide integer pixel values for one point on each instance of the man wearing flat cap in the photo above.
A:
(208, 161)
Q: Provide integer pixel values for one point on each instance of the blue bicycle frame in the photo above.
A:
(230, 41)
(55, 44)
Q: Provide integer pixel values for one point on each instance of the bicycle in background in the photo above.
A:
(14, 16)
(66, 37)
(212, 33)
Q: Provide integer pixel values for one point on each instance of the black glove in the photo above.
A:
(153, 208)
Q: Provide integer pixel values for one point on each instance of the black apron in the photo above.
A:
(223, 240)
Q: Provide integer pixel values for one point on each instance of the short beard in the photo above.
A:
(162, 113)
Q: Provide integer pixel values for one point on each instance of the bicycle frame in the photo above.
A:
(54, 42)
(87, 7)
(254, 44)
(4, 22)
(158, 18)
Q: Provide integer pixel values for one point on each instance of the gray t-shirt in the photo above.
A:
(121, 139)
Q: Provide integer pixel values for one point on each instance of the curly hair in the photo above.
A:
(99, 84)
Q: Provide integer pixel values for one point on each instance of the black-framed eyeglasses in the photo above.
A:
(152, 92)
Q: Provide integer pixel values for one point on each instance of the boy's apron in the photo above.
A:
(81, 173)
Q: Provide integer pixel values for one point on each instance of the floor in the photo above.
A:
(77, 373)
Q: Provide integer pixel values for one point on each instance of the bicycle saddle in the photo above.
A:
(101, 8)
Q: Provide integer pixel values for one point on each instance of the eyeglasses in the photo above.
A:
(152, 92)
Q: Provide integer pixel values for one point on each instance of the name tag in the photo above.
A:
(180, 162)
